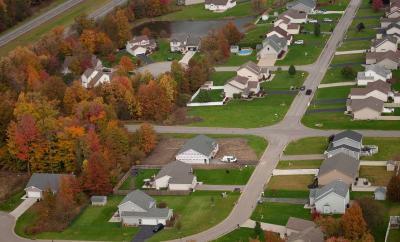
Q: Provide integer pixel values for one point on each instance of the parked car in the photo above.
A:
(158, 227)
(229, 159)
(328, 20)
(308, 92)
(312, 21)
(299, 42)
(302, 88)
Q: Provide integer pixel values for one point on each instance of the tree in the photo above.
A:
(353, 223)
(258, 5)
(330, 226)
(153, 8)
(83, 22)
(146, 138)
(317, 29)
(258, 232)
(393, 189)
(96, 180)
(292, 70)
(272, 237)
(232, 33)
(377, 5)
(348, 72)
(178, 74)
(360, 26)
(373, 212)
(125, 65)
(167, 83)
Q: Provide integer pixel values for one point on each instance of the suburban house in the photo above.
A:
(394, 6)
(176, 175)
(42, 182)
(365, 109)
(92, 78)
(219, 5)
(333, 198)
(385, 22)
(380, 90)
(198, 150)
(303, 230)
(392, 28)
(380, 193)
(184, 43)
(389, 59)
(285, 24)
(254, 72)
(347, 142)
(393, 14)
(373, 73)
(95, 63)
(339, 166)
(282, 34)
(273, 47)
(141, 45)
(241, 85)
(294, 16)
(387, 43)
(306, 6)
(138, 208)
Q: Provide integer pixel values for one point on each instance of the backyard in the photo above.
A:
(353, 59)
(255, 36)
(305, 146)
(136, 182)
(284, 81)
(334, 74)
(377, 175)
(224, 176)
(279, 213)
(290, 183)
(213, 95)
(220, 78)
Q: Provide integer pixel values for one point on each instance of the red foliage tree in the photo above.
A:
(377, 4)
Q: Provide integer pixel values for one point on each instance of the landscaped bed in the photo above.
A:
(279, 213)
(299, 164)
(224, 176)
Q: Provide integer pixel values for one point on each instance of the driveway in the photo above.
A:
(205, 187)
(25, 205)
(299, 201)
(156, 68)
(145, 232)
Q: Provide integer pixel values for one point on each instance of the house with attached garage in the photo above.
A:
(340, 166)
(392, 30)
(141, 45)
(390, 59)
(198, 150)
(219, 5)
(394, 6)
(347, 142)
(387, 43)
(243, 86)
(175, 176)
(298, 230)
(281, 33)
(380, 90)
(184, 43)
(254, 72)
(333, 198)
(42, 182)
(95, 63)
(306, 6)
(138, 208)
(385, 22)
(285, 24)
(273, 47)
(365, 109)
(93, 78)
(294, 16)
(373, 73)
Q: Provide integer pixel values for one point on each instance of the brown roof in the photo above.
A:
(293, 26)
(380, 85)
(281, 31)
(294, 14)
(370, 102)
(390, 20)
(299, 224)
(379, 56)
(312, 234)
(252, 84)
(378, 42)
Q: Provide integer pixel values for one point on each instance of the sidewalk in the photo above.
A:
(303, 157)
(205, 187)
(266, 227)
(337, 84)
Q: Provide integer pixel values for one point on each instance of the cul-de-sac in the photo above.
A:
(200, 120)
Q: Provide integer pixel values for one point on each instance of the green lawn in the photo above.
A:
(236, 60)
(241, 234)
(368, 22)
(388, 148)
(306, 146)
(224, 176)
(394, 235)
(214, 95)
(163, 52)
(366, 33)
(339, 6)
(220, 78)
(377, 175)
(299, 164)
(198, 12)
(255, 36)
(279, 213)
(286, 193)
(133, 182)
(355, 45)
(333, 92)
(369, 12)
(92, 224)
(304, 54)
(196, 212)
(283, 80)
(341, 59)
(290, 183)
(12, 202)
(334, 74)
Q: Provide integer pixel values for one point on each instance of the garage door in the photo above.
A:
(33, 194)
(147, 221)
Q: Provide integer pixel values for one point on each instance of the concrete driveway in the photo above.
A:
(145, 232)
(21, 209)
(156, 68)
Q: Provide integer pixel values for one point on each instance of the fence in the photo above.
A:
(391, 105)
(122, 180)
(220, 103)
(288, 172)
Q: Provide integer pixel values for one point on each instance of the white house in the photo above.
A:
(176, 176)
(141, 45)
(138, 208)
(373, 73)
(347, 142)
(42, 182)
(254, 72)
(219, 5)
(281, 33)
(273, 47)
(393, 14)
(387, 43)
(332, 198)
(92, 78)
(184, 43)
(241, 85)
(198, 150)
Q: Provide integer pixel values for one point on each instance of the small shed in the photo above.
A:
(98, 200)
(234, 49)
(265, 16)
(380, 193)
(390, 165)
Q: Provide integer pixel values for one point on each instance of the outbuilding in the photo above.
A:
(98, 200)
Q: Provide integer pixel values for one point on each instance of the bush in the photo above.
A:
(237, 96)
(292, 70)
(162, 205)
(348, 72)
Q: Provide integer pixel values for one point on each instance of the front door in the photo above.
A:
(140, 221)
(327, 209)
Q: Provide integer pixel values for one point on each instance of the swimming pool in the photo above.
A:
(246, 51)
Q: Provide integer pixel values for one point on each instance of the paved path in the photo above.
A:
(266, 226)
(303, 157)
(156, 68)
(337, 84)
(25, 205)
(205, 187)
(300, 201)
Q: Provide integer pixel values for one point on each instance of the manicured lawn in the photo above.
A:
(214, 95)
(377, 175)
(339, 6)
(365, 33)
(388, 148)
(334, 74)
(306, 146)
(12, 202)
(299, 164)
(304, 54)
(394, 235)
(283, 80)
(196, 212)
(357, 195)
(224, 176)
(241, 234)
(236, 60)
(353, 58)
(163, 52)
(369, 12)
(220, 78)
(255, 36)
(92, 224)
(286, 193)
(279, 213)
(333, 92)
(355, 45)
(133, 182)
(197, 12)
(368, 22)
(291, 183)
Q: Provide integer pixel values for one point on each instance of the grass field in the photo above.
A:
(305, 146)
(236, 60)
(220, 78)
(290, 183)
(377, 175)
(279, 213)
(255, 36)
(388, 148)
(133, 182)
(283, 80)
(241, 234)
(91, 224)
(333, 92)
(214, 95)
(355, 45)
(286, 193)
(366, 33)
(12, 202)
(334, 74)
(299, 164)
(163, 52)
(353, 58)
(224, 176)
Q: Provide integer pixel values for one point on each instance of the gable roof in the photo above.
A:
(277, 43)
(380, 70)
(342, 163)
(281, 31)
(217, 2)
(387, 38)
(201, 143)
(370, 102)
(253, 67)
(379, 56)
(308, 3)
(294, 14)
(45, 181)
(311, 234)
(239, 79)
(299, 224)
(180, 173)
(139, 198)
(338, 187)
(139, 38)
(348, 147)
(379, 85)
(349, 134)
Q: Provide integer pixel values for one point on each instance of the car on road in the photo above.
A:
(313, 21)
(328, 20)
(302, 88)
(308, 92)
(229, 159)
(299, 42)
(158, 228)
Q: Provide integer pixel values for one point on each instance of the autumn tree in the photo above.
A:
(83, 22)
(169, 85)
(74, 94)
(232, 33)
(96, 179)
(353, 223)
(178, 74)
(153, 8)
(146, 138)
(272, 237)
(393, 188)
(373, 212)
(125, 65)
(330, 226)
(377, 5)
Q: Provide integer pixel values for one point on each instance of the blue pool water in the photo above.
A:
(244, 52)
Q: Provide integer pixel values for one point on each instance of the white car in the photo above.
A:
(313, 21)
(229, 159)
(328, 20)
(299, 42)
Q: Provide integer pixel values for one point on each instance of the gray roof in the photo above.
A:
(299, 224)
(380, 190)
(201, 143)
(180, 172)
(253, 67)
(139, 198)
(370, 102)
(150, 213)
(378, 42)
(349, 134)
(98, 199)
(342, 163)
(338, 187)
(348, 147)
(44, 181)
(277, 43)
(380, 70)
(308, 3)
(311, 234)
(294, 14)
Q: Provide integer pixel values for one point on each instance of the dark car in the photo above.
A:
(308, 92)
(158, 227)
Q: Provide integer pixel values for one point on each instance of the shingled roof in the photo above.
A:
(201, 143)
(342, 163)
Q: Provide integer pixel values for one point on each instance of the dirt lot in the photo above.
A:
(168, 147)
(10, 183)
